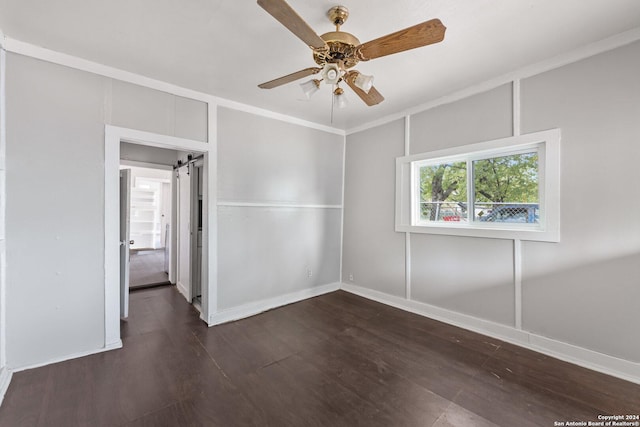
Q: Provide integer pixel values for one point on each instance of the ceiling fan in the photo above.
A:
(337, 52)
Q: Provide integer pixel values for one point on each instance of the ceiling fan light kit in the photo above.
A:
(340, 100)
(364, 82)
(337, 52)
(310, 87)
(331, 74)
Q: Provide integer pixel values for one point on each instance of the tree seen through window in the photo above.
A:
(505, 189)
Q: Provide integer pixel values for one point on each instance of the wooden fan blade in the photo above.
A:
(371, 98)
(288, 17)
(410, 38)
(290, 78)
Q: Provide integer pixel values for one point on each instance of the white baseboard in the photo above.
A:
(586, 358)
(5, 380)
(112, 346)
(247, 310)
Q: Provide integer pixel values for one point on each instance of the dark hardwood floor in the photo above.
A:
(334, 360)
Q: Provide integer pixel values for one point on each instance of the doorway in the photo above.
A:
(197, 151)
(149, 225)
(147, 228)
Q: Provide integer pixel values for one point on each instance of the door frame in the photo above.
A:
(125, 239)
(113, 136)
(185, 291)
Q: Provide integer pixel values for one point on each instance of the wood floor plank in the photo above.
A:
(409, 323)
(170, 416)
(23, 402)
(342, 303)
(55, 409)
(525, 367)
(294, 392)
(333, 360)
(217, 401)
(329, 322)
(427, 346)
(426, 368)
(506, 403)
(457, 416)
(406, 402)
(239, 347)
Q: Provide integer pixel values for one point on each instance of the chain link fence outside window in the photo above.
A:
(496, 212)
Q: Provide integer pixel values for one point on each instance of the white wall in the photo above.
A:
(585, 290)
(264, 160)
(582, 291)
(55, 221)
(269, 173)
(55, 242)
(478, 118)
(4, 374)
(373, 252)
(141, 108)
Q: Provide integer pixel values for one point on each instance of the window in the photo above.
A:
(507, 188)
(504, 189)
(442, 191)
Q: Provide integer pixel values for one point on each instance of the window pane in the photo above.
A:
(506, 189)
(443, 192)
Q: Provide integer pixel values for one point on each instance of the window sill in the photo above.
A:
(488, 232)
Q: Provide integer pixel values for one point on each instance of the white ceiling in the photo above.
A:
(226, 48)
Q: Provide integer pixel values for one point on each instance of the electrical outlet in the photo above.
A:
(351, 277)
(309, 273)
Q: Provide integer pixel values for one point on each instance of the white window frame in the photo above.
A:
(546, 143)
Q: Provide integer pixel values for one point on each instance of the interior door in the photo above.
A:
(184, 231)
(196, 228)
(125, 207)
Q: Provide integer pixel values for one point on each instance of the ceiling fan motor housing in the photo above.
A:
(341, 45)
(341, 49)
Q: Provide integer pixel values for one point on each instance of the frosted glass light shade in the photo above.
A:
(340, 101)
(310, 87)
(364, 82)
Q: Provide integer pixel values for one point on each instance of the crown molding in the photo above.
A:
(38, 52)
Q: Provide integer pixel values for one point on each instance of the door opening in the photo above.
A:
(150, 226)
(161, 222)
